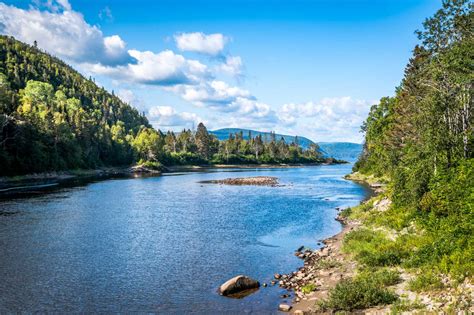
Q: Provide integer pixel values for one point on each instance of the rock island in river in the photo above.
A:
(257, 181)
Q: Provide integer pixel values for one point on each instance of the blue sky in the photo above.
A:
(311, 68)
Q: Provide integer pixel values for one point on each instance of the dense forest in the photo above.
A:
(52, 118)
(421, 141)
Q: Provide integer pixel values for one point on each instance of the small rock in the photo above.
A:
(284, 296)
(277, 276)
(284, 307)
(298, 312)
(264, 285)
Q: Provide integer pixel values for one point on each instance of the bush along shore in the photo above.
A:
(373, 267)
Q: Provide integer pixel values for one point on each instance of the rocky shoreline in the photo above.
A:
(325, 267)
(322, 270)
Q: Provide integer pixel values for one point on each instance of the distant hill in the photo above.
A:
(347, 151)
(223, 134)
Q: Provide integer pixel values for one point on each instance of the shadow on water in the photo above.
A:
(34, 188)
(37, 187)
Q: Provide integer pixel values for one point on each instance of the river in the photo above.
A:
(165, 244)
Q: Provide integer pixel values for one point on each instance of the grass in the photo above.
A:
(402, 305)
(308, 288)
(425, 282)
(382, 276)
(363, 291)
(373, 249)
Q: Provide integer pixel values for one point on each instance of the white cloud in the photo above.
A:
(331, 119)
(211, 44)
(166, 117)
(63, 33)
(232, 66)
(165, 68)
(222, 97)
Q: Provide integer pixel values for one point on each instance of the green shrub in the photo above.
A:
(308, 288)
(345, 213)
(425, 282)
(402, 306)
(384, 277)
(152, 165)
(373, 249)
(358, 293)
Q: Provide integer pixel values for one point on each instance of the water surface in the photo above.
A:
(164, 244)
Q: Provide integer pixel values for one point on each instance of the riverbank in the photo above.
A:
(347, 274)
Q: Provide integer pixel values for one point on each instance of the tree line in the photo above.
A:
(422, 139)
(52, 118)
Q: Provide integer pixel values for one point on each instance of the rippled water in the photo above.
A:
(164, 244)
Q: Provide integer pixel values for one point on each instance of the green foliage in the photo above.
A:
(423, 140)
(345, 213)
(373, 248)
(402, 306)
(425, 282)
(52, 118)
(151, 165)
(361, 292)
(308, 288)
(382, 276)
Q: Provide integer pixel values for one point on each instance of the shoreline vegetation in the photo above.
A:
(357, 270)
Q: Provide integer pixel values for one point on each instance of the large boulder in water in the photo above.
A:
(237, 285)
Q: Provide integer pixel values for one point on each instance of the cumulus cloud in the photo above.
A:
(332, 119)
(232, 65)
(165, 68)
(168, 117)
(63, 33)
(220, 96)
(208, 44)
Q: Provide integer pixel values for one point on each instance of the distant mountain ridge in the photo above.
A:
(223, 134)
(347, 151)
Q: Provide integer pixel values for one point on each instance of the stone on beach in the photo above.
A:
(238, 284)
(284, 307)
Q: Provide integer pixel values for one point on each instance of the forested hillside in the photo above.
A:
(52, 118)
(421, 140)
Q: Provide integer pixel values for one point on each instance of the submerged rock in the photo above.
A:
(237, 285)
